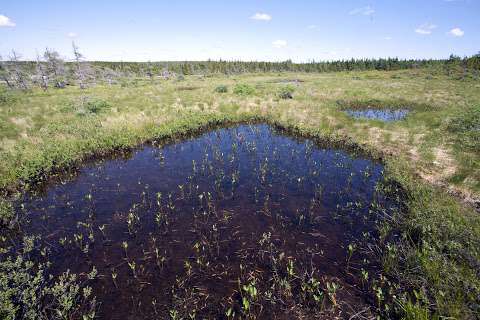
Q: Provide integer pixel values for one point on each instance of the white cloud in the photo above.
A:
(388, 38)
(261, 16)
(71, 35)
(425, 28)
(6, 21)
(366, 11)
(312, 26)
(456, 32)
(279, 44)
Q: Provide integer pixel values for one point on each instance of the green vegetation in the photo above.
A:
(286, 92)
(26, 291)
(221, 89)
(243, 89)
(88, 106)
(466, 126)
(6, 213)
(430, 253)
(436, 254)
(455, 67)
(6, 97)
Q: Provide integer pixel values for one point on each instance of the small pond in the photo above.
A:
(387, 115)
(244, 219)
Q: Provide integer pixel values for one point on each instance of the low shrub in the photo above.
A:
(286, 92)
(221, 89)
(89, 106)
(96, 106)
(243, 89)
(29, 291)
(7, 97)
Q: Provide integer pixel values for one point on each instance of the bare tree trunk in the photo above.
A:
(110, 75)
(150, 71)
(81, 67)
(42, 74)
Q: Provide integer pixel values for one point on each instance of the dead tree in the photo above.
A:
(55, 68)
(81, 68)
(19, 75)
(42, 74)
(150, 71)
(110, 76)
(5, 73)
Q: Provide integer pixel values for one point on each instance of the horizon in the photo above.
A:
(250, 31)
(71, 60)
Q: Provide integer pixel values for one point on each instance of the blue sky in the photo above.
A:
(272, 30)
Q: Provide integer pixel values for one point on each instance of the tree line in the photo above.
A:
(51, 70)
(235, 67)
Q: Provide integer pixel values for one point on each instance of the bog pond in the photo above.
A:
(240, 221)
(386, 115)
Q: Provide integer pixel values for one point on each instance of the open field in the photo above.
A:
(428, 252)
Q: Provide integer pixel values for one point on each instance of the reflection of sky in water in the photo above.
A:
(317, 198)
(117, 184)
(386, 115)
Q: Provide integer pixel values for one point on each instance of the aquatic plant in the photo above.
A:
(7, 214)
(25, 285)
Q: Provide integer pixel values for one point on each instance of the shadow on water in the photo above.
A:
(386, 115)
(243, 220)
